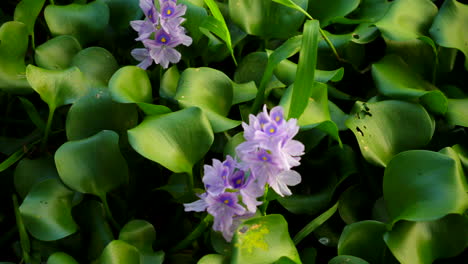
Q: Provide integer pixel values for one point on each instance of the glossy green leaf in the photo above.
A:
(13, 47)
(384, 129)
(402, 23)
(251, 68)
(92, 165)
(218, 26)
(97, 65)
(151, 109)
(211, 90)
(423, 242)
(355, 204)
(85, 22)
(27, 11)
(29, 172)
(286, 73)
(119, 252)
(97, 111)
(303, 88)
(5, 164)
(243, 92)
(142, 235)
(364, 240)
(121, 12)
(449, 27)
(456, 112)
(368, 11)
(57, 88)
(394, 78)
(263, 240)
(46, 211)
(213, 259)
(195, 15)
(266, 18)
(176, 140)
(328, 11)
(169, 81)
(286, 50)
(433, 183)
(312, 225)
(347, 260)
(130, 84)
(57, 53)
(61, 258)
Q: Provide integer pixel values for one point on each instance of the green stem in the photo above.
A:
(330, 44)
(52, 2)
(310, 227)
(198, 231)
(264, 206)
(109, 213)
(24, 239)
(32, 41)
(47, 128)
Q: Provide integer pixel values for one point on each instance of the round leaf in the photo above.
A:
(119, 252)
(30, 172)
(46, 211)
(212, 91)
(175, 140)
(95, 112)
(347, 260)
(57, 53)
(263, 240)
(85, 22)
(433, 184)
(213, 259)
(456, 112)
(139, 234)
(130, 84)
(61, 258)
(383, 129)
(92, 165)
(97, 65)
(13, 47)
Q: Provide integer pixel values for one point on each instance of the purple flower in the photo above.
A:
(171, 13)
(215, 177)
(143, 56)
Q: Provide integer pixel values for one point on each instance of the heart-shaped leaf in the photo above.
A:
(383, 129)
(13, 47)
(328, 11)
(449, 27)
(117, 252)
(61, 258)
(92, 165)
(29, 172)
(85, 22)
(46, 211)
(97, 111)
(347, 260)
(263, 240)
(213, 259)
(433, 183)
(130, 84)
(97, 65)
(57, 53)
(212, 91)
(27, 11)
(176, 140)
(456, 112)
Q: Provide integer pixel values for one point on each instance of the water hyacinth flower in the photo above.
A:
(160, 32)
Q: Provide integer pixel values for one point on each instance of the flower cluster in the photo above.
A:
(265, 158)
(160, 33)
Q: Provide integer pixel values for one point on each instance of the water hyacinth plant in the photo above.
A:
(233, 131)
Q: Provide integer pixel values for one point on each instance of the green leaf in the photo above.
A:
(384, 129)
(423, 242)
(456, 112)
(97, 111)
(217, 25)
(151, 109)
(364, 240)
(433, 183)
(119, 252)
(303, 86)
(93, 165)
(448, 28)
(266, 18)
(401, 23)
(312, 225)
(286, 50)
(46, 211)
(130, 84)
(29, 172)
(169, 81)
(32, 113)
(57, 53)
(355, 204)
(263, 239)
(347, 260)
(12, 159)
(328, 11)
(286, 73)
(121, 12)
(394, 78)
(243, 92)
(27, 11)
(195, 16)
(61, 258)
(97, 65)
(210, 90)
(57, 88)
(175, 140)
(142, 235)
(13, 47)
(86, 23)
(213, 259)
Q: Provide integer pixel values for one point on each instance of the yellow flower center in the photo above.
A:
(239, 181)
(277, 118)
(264, 158)
(226, 201)
(163, 40)
(168, 12)
(272, 130)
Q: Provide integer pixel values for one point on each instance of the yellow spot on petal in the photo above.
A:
(264, 158)
(168, 12)
(238, 181)
(272, 130)
(277, 118)
(163, 40)
(226, 201)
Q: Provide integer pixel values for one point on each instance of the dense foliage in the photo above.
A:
(119, 118)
